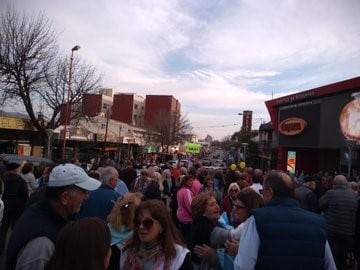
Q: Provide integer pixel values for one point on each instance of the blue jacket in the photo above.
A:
(100, 203)
(38, 220)
(290, 237)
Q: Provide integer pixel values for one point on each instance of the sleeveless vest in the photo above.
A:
(290, 237)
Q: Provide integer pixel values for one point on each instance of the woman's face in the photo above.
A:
(148, 228)
(212, 210)
(239, 212)
(234, 192)
(189, 182)
(210, 182)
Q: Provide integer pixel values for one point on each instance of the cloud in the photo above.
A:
(216, 57)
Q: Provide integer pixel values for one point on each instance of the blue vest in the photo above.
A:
(38, 220)
(290, 237)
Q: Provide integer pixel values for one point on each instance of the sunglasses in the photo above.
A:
(147, 223)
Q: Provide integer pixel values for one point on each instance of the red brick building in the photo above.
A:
(156, 105)
(97, 104)
(129, 108)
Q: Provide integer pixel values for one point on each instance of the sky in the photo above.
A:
(218, 58)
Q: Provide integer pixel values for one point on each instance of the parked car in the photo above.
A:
(8, 158)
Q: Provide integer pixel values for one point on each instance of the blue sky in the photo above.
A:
(217, 58)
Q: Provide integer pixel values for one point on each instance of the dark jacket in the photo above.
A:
(290, 237)
(339, 206)
(100, 203)
(307, 199)
(38, 220)
(201, 234)
(15, 192)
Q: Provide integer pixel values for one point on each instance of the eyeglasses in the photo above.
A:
(239, 206)
(147, 223)
(144, 174)
(234, 190)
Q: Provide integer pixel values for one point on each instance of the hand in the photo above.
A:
(204, 251)
(232, 247)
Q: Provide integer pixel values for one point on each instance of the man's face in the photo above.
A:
(267, 193)
(74, 199)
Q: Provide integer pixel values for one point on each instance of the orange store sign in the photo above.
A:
(292, 126)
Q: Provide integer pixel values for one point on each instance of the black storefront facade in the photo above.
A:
(319, 129)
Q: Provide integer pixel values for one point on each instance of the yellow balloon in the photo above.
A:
(233, 167)
(242, 165)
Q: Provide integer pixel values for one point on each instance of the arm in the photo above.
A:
(36, 254)
(187, 200)
(248, 246)
(219, 237)
(324, 202)
(32, 182)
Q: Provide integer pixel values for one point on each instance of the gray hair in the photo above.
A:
(108, 173)
(340, 180)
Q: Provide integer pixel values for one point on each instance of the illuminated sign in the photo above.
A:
(291, 162)
(292, 126)
(192, 148)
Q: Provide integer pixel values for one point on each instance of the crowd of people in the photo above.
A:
(176, 217)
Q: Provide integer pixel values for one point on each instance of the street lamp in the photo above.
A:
(67, 110)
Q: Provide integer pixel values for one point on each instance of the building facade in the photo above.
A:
(160, 107)
(129, 109)
(98, 104)
(318, 129)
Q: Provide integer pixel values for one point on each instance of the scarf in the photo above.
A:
(148, 257)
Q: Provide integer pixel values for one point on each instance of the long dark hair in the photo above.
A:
(169, 236)
(81, 245)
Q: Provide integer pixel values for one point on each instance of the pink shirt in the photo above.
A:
(184, 199)
(195, 187)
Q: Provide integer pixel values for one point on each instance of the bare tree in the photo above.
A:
(27, 49)
(30, 71)
(171, 128)
(84, 80)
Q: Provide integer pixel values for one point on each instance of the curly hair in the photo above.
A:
(123, 212)
(169, 235)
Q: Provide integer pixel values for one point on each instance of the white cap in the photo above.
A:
(70, 174)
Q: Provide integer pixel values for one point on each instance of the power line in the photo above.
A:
(229, 125)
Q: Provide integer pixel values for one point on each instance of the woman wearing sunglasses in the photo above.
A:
(121, 224)
(156, 243)
(230, 198)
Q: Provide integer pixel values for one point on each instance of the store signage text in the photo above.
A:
(292, 126)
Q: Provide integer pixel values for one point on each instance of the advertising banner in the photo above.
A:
(291, 162)
(193, 148)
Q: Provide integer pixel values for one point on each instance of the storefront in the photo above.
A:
(318, 129)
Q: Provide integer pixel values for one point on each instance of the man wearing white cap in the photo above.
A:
(32, 241)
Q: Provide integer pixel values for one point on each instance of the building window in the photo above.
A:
(103, 126)
(135, 106)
